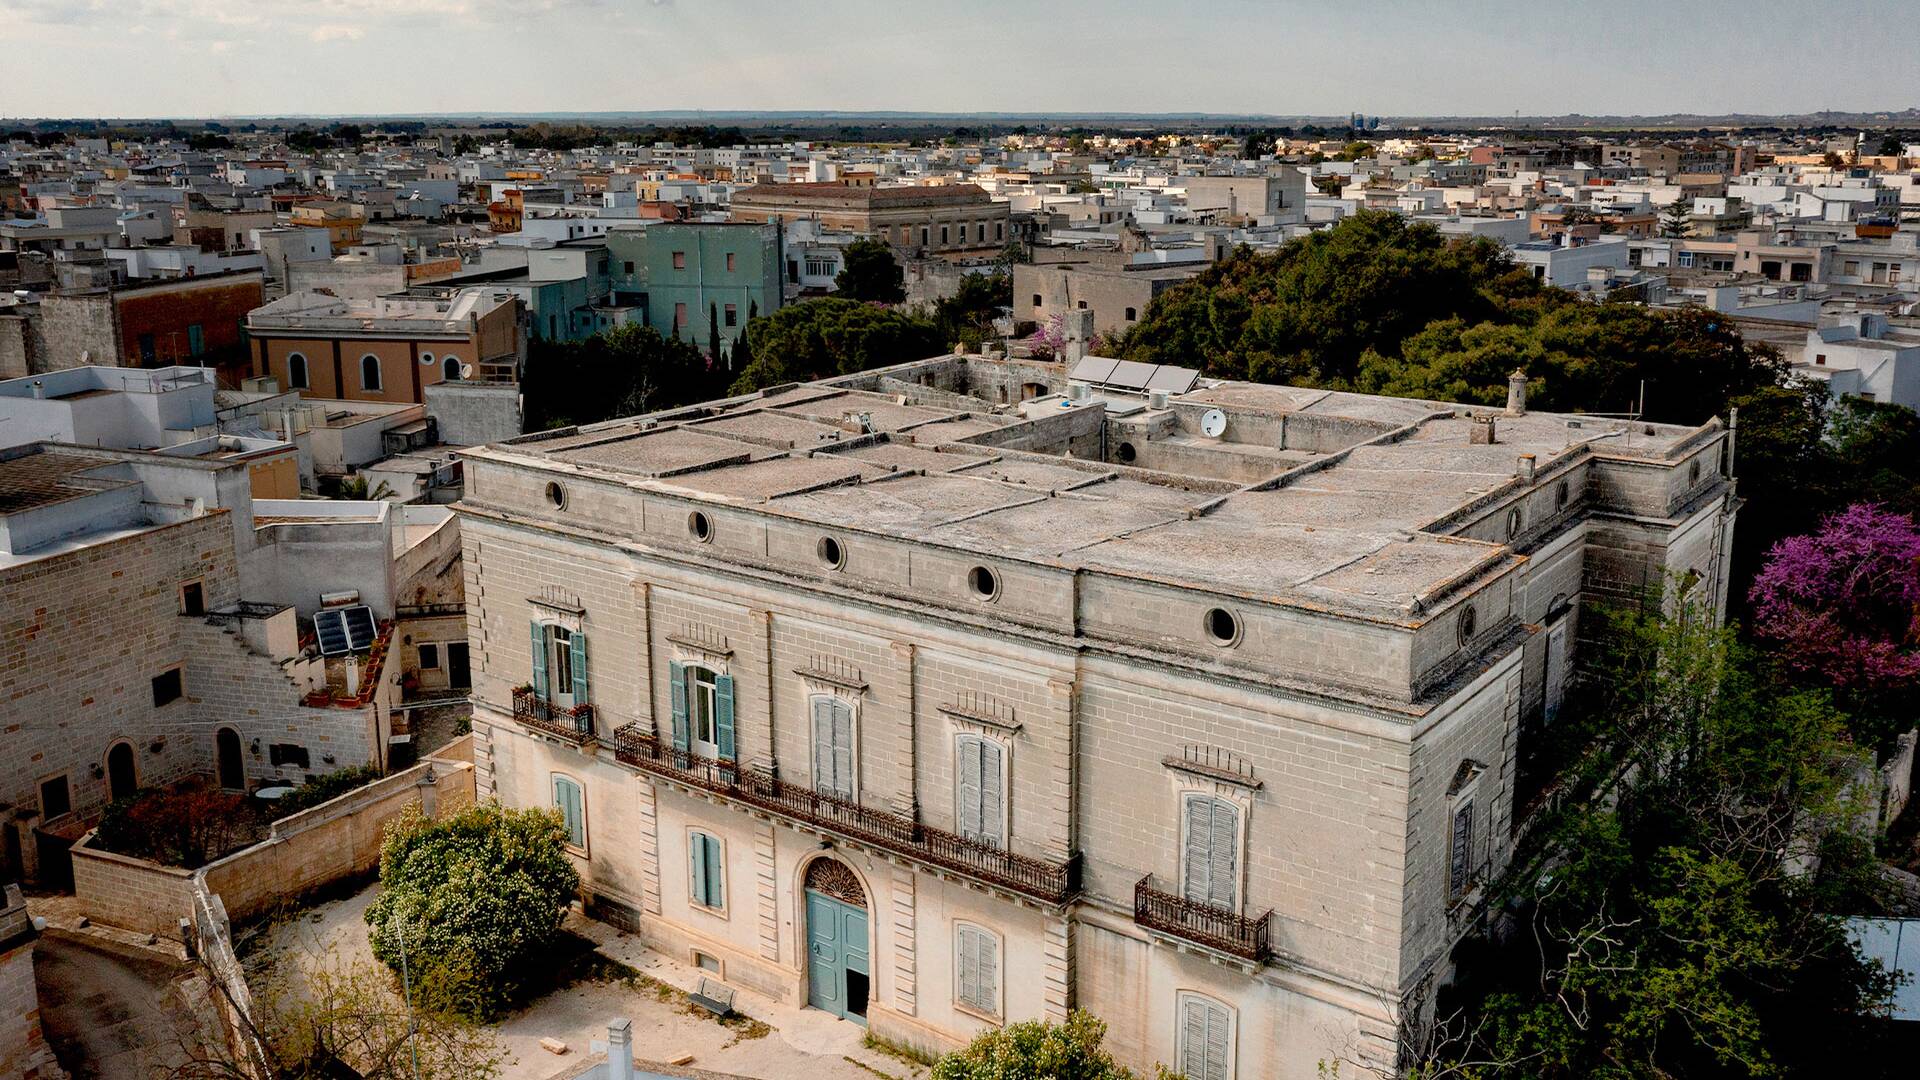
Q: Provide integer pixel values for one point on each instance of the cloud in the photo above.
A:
(336, 33)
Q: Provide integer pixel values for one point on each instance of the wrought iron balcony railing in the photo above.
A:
(572, 724)
(1041, 879)
(1203, 924)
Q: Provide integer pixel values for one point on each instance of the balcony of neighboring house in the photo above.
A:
(1046, 881)
(568, 723)
(1206, 925)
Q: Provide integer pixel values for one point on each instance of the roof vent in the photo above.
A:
(1483, 431)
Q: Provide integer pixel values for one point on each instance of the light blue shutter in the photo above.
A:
(566, 796)
(972, 811)
(992, 794)
(540, 661)
(677, 691)
(716, 896)
(723, 723)
(580, 696)
(697, 867)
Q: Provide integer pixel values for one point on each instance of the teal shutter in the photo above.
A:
(566, 796)
(716, 897)
(677, 692)
(580, 669)
(540, 661)
(723, 723)
(697, 867)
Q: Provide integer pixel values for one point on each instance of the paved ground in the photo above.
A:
(110, 1010)
(778, 1042)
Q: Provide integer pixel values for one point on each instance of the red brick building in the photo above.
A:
(191, 320)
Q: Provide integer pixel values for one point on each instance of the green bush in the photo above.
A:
(477, 897)
(320, 789)
(1035, 1048)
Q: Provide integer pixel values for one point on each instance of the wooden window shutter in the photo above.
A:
(1223, 851)
(723, 721)
(971, 811)
(697, 867)
(992, 793)
(677, 701)
(540, 661)
(580, 696)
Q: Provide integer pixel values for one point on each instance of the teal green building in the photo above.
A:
(690, 276)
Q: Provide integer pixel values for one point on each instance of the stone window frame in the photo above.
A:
(1180, 998)
(181, 668)
(379, 376)
(586, 833)
(65, 776)
(998, 1013)
(1463, 794)
(1187, 784)
(182, 594)
(1002, 738)
(305, 382)
(854, 699)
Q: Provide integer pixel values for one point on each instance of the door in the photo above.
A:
(121, 781)
(227, 749)
(459, 673)
(836, 957)
(560, 666)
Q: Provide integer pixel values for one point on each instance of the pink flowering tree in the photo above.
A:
(1049, 340)
(1843, 606)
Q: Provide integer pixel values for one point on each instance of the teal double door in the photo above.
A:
(837, 972)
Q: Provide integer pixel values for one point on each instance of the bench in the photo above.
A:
(715, 997)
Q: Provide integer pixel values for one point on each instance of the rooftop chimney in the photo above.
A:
(1524, 468)
(1483, 432)
(1517, 393)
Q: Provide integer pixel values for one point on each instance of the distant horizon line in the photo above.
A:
(1909, 114)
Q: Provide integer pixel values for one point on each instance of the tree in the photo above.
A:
(1676, 914)
(1891, 146)
(355, 489)
(1035, 1048)
(868, 271)
(831, 336)
(311, 1019)
(1676, 219)
(713, 334)
(742, 356)
(474, 898)
(967, 316)
(625, 371)
(1843, 607)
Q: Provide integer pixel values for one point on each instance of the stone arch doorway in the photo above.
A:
(122, 781)
(233, 773)
(839, 977)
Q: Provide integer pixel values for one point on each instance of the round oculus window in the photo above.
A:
(699, 526)
(984, 582)
(1223, 627)
(556, 496)
(832, 555)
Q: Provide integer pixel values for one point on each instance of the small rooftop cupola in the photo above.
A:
(1517, 393)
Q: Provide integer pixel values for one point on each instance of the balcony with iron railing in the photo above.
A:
(572, 724)
(1044, 880)
(1214, 927)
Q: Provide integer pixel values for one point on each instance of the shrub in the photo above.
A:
(321, 789)
(1036, 1048)
(477, 896)
(187, 826)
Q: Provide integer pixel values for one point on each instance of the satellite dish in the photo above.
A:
(1213, 423)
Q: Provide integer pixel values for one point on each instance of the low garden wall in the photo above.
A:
(333, 841)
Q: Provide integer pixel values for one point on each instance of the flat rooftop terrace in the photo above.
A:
(1360, 525)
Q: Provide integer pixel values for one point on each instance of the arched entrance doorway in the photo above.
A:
(121, 781)
(837, 970)
(226, 747)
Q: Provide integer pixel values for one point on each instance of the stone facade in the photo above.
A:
(1340, 660)
(24, 1053)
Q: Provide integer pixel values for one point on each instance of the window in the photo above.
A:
(984, 583)
(699, 526)
(556, 495)
(1080, 304)
(292, 754)
(1469, 622)
(731, 315)
(977, 969)
(196, 340)
(1460, 852)
(567, 799)
(999, 230)
(679, 316)
(832, 555)
(1222, 627)
(193, 599)
(430, 657)
(166, 687)
(832, 746)
(55, 797)
(943, 236)
(426, 359)
(147, 354)
(1210, 862)
(1205, 1038)
(450, 366)
(297, 372)
(923, 236)
(963, 232)
(679, 260)
(702, 703)
(706, 871)
(729, 262)
(370, 372)
(1036, 299)
(980, 789)
(1133, 315)
(628, 268)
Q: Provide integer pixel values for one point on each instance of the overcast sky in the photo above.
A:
(150, 58)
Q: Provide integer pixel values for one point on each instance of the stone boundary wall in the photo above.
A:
(334, 841)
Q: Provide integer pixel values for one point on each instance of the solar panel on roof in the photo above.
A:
(1174, 380)
(343, 630)
(1130, 375)
(1092, 369)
